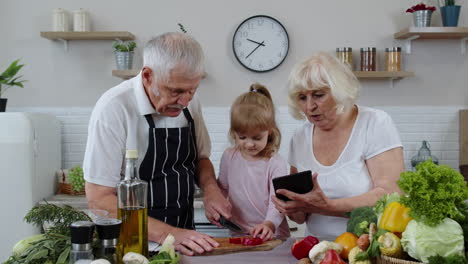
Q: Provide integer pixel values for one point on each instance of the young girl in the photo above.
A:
(246, 170)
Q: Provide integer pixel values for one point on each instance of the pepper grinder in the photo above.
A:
(81, 238)
(108, 231)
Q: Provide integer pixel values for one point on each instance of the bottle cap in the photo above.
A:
(82, 232)
(131, 154)
(108, 228)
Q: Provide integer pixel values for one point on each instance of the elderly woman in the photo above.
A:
(355, 152)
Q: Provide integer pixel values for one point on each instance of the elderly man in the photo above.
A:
(157, 113)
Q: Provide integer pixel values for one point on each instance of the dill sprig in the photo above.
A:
(58, 217)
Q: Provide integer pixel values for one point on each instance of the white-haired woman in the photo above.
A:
(354, 151)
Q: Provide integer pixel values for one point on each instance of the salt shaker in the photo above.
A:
(60, 20)
(81, 20)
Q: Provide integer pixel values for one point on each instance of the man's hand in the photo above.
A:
(215, 204)
(189, 242)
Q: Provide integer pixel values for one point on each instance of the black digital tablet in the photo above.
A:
(300, 182)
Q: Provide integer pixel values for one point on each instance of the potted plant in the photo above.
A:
(450, 13)
(124, 54)
(421, 14)
(9, 79)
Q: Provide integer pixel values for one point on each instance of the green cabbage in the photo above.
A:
(421, 241)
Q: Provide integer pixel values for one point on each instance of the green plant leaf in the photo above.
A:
(63, 256)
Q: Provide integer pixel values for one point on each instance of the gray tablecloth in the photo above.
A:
(279, 255)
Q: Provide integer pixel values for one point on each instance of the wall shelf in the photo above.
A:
(128, 74)
(125, 74)
(91, 35)
(412, 33)
(383, 74)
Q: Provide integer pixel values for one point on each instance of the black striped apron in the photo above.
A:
(169, 167)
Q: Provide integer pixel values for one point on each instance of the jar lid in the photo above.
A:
(345, 49)
(369, 49)
(393, 49)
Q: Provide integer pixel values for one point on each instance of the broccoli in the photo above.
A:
(359, 220)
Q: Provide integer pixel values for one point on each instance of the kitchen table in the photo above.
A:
(279, 255)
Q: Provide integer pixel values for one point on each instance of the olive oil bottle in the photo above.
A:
(132, 209)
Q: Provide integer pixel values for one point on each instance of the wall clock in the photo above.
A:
(260, 43)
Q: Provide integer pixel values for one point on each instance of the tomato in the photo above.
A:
(348, 240)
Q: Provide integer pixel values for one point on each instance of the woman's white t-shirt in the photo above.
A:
(373, 133)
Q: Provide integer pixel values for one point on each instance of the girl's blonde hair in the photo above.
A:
(319, 71)
(252, 111)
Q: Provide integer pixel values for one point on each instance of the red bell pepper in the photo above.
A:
(332, 257)
(301, 249)
(235, 240)
(246, 241)
(252, 241)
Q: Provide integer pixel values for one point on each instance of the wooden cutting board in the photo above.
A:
(227, 248)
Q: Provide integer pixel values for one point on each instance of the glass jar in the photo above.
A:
(345, 55)
(368, 59)
(424, 154)
(393, 59)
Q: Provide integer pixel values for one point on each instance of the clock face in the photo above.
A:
(260, 43)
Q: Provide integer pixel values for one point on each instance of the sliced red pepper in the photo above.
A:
(301, 249)
(235, 240)
(252, 241)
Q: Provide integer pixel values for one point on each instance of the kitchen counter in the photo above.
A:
(79, 201)
(279, 255)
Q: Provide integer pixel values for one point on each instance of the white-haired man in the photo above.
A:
(144, 113)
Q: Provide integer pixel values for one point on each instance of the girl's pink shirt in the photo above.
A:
(249, 188)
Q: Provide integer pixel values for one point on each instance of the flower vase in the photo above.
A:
(422, 18)
(124, 60)
(450, 15)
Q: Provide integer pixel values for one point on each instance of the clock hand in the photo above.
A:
(256, 42)
(259, 44)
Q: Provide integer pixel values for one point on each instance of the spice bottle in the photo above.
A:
(81, 237)
(393, 59)
(368, 59)
(108, 230)
(132, 209)
(345, 55)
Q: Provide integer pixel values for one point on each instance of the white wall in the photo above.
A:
(77, 77)
(438, 125)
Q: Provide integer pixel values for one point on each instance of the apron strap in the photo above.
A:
(149, 119)
(192, 127)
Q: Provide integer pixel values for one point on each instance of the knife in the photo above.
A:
(231, 226)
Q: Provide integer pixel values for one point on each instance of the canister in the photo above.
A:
(368, 59)
(81, 20)
(345, 55)
(393, 59)
(60, 20)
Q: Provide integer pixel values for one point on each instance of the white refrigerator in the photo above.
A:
(30, 154)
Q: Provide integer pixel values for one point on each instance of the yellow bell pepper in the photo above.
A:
(395, 217)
